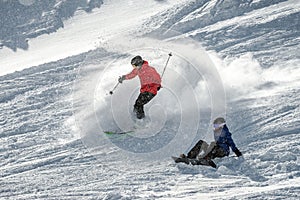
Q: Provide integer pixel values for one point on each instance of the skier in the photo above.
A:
(150, 83)
(219, 148)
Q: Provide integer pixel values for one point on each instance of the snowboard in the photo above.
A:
(195, 161)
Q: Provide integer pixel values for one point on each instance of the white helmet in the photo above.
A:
(219, 120)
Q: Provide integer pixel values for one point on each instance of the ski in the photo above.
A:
(117, 132)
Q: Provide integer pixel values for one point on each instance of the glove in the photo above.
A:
(238, 153)
(122, 78)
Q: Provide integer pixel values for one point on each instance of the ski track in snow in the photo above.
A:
(44, 154)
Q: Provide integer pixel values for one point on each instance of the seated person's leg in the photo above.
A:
(208, 149)
(193, 153)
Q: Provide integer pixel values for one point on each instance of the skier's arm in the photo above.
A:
(230, 141)
(232, 145)
(131, 75)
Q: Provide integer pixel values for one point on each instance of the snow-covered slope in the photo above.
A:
(53, 114)
(267, 29)
(25, 19)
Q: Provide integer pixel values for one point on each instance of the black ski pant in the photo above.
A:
(210, 151)
(142, 99)
(193, 153)
(216, 152)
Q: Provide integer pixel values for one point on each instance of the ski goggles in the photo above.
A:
(218, 125)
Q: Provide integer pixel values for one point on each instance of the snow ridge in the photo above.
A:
(233, 28)
(20, 22)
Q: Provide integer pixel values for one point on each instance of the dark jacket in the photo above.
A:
(224, 140)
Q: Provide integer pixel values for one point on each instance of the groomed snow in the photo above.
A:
(54, 111)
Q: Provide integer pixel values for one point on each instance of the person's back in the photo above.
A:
(149, 78)
(224, 140)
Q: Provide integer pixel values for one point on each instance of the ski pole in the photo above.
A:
(112, 91)
(170, 54)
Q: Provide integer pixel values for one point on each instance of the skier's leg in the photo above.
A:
(217, 151)
(210, 151)
(142, 99)
(138, 107)
(211, 147)
(194, 152)
(204, 150)
(204, 146)
(207, 149)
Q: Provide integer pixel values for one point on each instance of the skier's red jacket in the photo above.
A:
(149, 78)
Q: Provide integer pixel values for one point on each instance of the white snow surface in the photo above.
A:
(55, 103)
